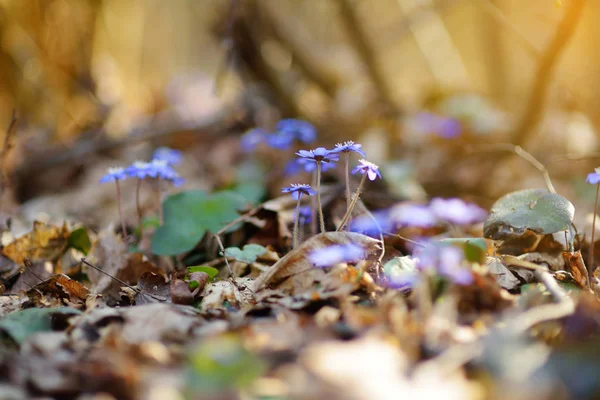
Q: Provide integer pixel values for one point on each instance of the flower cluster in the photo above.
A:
(160, 167)
(336, 254)
(287, 131)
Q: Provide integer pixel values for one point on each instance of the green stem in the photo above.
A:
(347, 161)
(139, 208)
(296, 223)
(354, 200)
(121, 210)
(591, 263)
(319, 206)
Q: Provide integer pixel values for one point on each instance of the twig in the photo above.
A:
(83, 260)
(222, 248)
(546, 64)
(10, 132)
(239, 219)
(519, 151)
(358, 37)
(28, 265)
(499, 16)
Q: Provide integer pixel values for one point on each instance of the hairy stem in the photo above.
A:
(120, 209)
(296, 223)
(159, 198)
(313, 207)
(591, 261)
(138, 207)
(319, 206)
(347, 161)
(353, 203)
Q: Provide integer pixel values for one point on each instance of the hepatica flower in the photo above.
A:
(413, 215)
(594, 177)
(170, 156)
(114, 174)
(304, 215)
(446, 260)
(335, 254)
(318, 155)
(298, 189)
(430, 123)
(251, 139)
(348, 147)
(457, 211)
(368, 168)
(372, 225)
(280, 140)
(298, 129)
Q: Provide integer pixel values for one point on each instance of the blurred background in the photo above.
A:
(433, 89)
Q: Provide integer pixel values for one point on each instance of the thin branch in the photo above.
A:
(358, 37)
(83, 260)
(499, 16)
(550, 56)
(525, 155)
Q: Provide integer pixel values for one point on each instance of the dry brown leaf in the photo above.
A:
(574, 264)
(153, 288)
(59, 290)
(296, 261)
(43, 243)
(217, 293)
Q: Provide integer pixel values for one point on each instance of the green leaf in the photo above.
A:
(193, 284)
(79, 240)
(189, 215)
(210, 271)
(399, 266)
(531, 209)
(474, 248)
(248, 255)
(19, 325)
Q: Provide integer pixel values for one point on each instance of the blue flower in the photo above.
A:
(372, 225)
(335, 254)
(251, 139)
(349, 146)
(366, 167)
(301, 130)
(310, 166)
(414, 215)
(305, 215)
(457, 211)
(114, 174)
(594, 177)
(426, 122)
(280, 140)
(298, 189)
(154, 169)
(445, 260)
(320, 154)
(171, 156)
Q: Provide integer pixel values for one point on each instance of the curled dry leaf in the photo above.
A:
(43, 243)
(180, 292)
(153, 288)
(503, 276)
(575, 265)
(59, 290)
(296, 261)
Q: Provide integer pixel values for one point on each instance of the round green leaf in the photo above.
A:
(19, 325)
(531, 209)
(248, 255)
(187, 217)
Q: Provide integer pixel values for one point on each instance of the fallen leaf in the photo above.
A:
(575, 265)
(296, 261)
(43, 243)
(153, 288)
(225, 294)
(22, 324)
(503, 276)
(60, 288)
(181, 293)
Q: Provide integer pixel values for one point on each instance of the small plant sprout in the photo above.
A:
(594, 179)
(115, 175)
(346, 148)
(170, 156)
(319, 155)
(336, 254)
(297, 190)
(369, 170)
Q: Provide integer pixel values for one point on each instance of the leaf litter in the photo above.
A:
(433, 310)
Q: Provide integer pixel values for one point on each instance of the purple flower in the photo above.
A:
(372, 225)
(368, 168)
(320, 154)
(280, 140)
(298, 189)
(251, 139)
(335, 254)
(457, 211)
(154, 169)
(305, 215)
(446, 260)
(349, 146)
(298, 129)
(114, 174)
(312, 166)
(406, 280)
(426, 122)
(170, 156)
(416, 215)
(594, 177)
